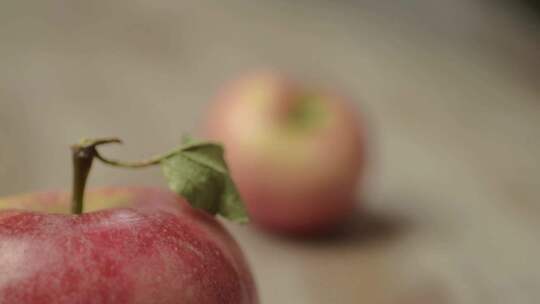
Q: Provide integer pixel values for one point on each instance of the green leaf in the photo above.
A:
(198, 172)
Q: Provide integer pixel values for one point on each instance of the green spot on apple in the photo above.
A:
(59, 203)
(307, 113)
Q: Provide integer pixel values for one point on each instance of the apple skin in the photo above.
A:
(151, 248)
(297, 172)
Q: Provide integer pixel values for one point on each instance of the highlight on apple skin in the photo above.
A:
(133, 245)
(296, 153)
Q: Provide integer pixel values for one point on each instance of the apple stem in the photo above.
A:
(131, 164)
(137, 164)
(82, 162)
(83, 155)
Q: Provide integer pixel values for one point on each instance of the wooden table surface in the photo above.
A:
(451, 88)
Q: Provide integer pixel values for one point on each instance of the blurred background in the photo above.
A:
(451, 90)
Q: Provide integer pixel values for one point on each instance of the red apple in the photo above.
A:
(132, 245)
(296, 153)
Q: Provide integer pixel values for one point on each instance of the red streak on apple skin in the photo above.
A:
(158, 250)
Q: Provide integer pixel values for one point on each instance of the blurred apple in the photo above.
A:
(296, 153)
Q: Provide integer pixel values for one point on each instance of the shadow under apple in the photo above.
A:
(363, 227)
